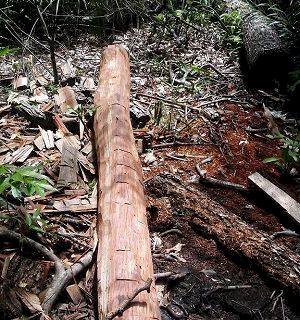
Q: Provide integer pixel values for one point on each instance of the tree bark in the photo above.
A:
(124, 260)
(276, 262)
(266, 54)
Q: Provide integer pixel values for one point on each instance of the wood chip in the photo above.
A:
(21, 154)
(87, 83)
(74, 293)
(20, 83)
(30, 300)
(69, 164)
(68, 70)
(48, 138)
(87, 148)
(41, 81)
(66, 99)
(65, 206)
(39, 142)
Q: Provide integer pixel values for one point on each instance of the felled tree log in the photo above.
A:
(124, 261)
(266, 54)
(242, 241)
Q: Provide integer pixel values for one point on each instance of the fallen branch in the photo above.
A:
(285, 233)
(170, 276)
(246, 244)
(176, 144)
(219, 183)
(62, 276)
(125, 304)
(165, 233)
(62, 279)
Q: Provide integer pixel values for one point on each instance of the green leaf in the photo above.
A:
(45, 186)
(28, 220)
(36, 228)
(294, 155)
(4, 185)
(17, 176)
(272, 159)
(6, 50)
(178, 13)
(3, 169)
(36, 213)
(16, 193)
(39, 190)
(30, 190)
(28, 172)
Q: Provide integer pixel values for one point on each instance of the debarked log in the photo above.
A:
(124, 261)
(255, 247)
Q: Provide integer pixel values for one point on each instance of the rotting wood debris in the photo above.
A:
(222, 270)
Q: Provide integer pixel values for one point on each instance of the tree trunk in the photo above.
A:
(266, 54)
(242, 241)
(124, 260)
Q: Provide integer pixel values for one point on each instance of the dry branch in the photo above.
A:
(219, 183)
(120, 310)
(62, 276)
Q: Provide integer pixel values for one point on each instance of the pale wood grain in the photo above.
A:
(124, 256)
(288, 205)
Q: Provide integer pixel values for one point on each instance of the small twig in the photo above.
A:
(226, 288)
(171, 231)
(285, 233)
(124, 305)
(188, 24)
(171, 156)
(170, 275)
(209, 65)
(256, 130)
(221, 100)
(51, 44)
(220, 183)
(179, 104)
(176, 144)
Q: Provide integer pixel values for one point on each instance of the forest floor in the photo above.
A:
(196, 110)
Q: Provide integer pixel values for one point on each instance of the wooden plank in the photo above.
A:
(69, 164)
(288, 205)
(124, 261)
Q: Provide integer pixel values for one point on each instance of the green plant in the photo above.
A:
(232, 25)
(35, 222)
(290, 153)
(53, 88)
(4, 51)
(23, 181)
(15, 184)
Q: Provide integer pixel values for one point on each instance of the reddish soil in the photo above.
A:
(208, 264)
